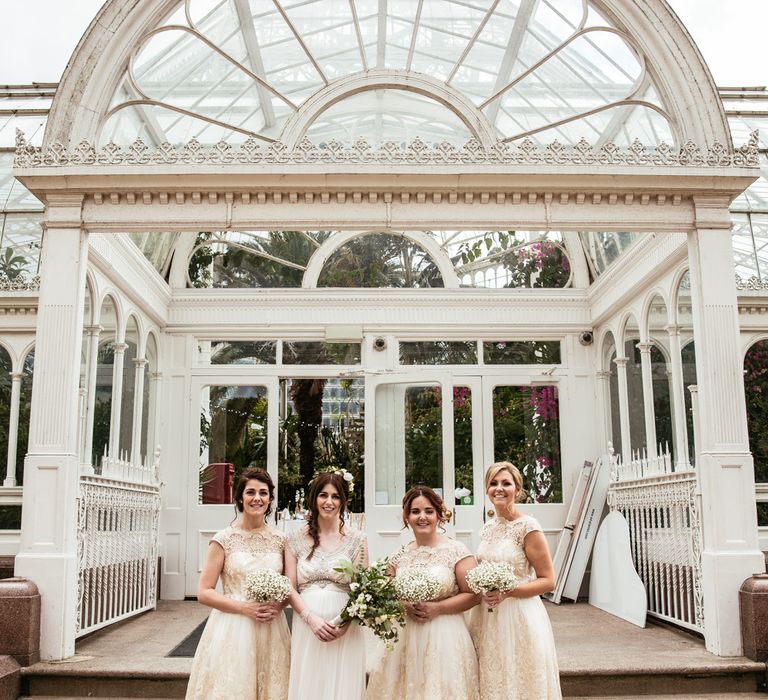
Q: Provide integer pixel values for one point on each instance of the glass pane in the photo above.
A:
(380, 260)
(102, 410)
(320, 353)
(438, 352)
(10, 517)
(233, 436)
(236, 352)
(762, 514)
(635, 394)
(756, 391)
(521, 352)
(25, 405)
(526, 432)
(321, 429)
(409, 440)
(127, 398)
(606, 247)
(462, 446)
(6, 367)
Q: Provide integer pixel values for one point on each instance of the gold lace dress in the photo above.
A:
(434, 659)
(515, 646)
(238, 657)
(325, 670)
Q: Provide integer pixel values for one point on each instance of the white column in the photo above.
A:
(138, 409)
(725, 470)
(650, 417)
(626, 445)
(13, 429)
(90, 388)
(678, 399)
(48, 549)
(155, 384)
(117, 399)
(604, 404)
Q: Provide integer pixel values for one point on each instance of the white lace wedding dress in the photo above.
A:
(238, 657)
(325, 670)
(515, 646)
(434, 659)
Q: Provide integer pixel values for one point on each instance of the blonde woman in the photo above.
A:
(514, 642)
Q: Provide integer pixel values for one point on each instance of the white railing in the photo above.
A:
(123, 469)
(117, 540)
(641, 466)
(662, 510)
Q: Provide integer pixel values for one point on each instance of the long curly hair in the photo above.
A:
(318, 485)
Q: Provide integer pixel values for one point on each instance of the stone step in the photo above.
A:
(733, 683)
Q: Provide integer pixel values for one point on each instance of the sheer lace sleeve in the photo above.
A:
(459, 551)
(298, 543)
(528, 524)
(224, 538)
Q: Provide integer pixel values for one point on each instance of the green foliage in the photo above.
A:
(200, 261)
(756, 391)
(11, 264)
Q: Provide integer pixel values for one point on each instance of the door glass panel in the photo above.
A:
(233, 436)
(409, 440)
(526, 432)
(462, 445)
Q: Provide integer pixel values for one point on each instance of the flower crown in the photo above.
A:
(348, 477)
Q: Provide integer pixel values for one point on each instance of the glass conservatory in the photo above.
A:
(403, 239)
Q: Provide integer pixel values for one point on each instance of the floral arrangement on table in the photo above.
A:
(489, 576)
(416, 586)
(266, 586)
(373, 601)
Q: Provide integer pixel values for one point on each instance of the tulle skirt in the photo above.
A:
(326, 670)
(431, 660)
(240, 658)
(515, 651)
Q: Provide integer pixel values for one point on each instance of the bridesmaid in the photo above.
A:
(244, 651)
(434, 657)
(327, 662)
(515, 646)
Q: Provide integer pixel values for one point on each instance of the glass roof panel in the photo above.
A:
(250, 64)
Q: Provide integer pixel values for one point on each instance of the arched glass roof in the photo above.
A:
(233, 69)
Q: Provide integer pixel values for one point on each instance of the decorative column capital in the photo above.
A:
(644, 348)
(63, 211)
(140, 362)
(119, 347)
(621, 362)
(155, 376)
(93, 330)
(16, 376)
(603, 374)
(712, 211)
(672, 329)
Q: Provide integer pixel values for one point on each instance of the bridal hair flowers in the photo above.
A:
(490, 576)
(266, 586)
(416, 586)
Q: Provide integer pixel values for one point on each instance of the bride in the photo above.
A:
(327, 662)
(244, 651)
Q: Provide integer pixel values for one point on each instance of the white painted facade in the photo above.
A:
(677, 200)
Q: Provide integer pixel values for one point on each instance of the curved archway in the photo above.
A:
(458, 103)
(338, 240)
(674, 66)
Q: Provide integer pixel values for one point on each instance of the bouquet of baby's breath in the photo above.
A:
(373, 601)
(416, 585)
(490, 576)
(266, 586)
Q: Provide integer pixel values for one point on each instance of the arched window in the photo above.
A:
(102, 414)
(635, 397)
(128, 394)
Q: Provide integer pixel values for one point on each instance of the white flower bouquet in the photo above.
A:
(416, 586)
(372, 602)
(266, 586)
(489, 576)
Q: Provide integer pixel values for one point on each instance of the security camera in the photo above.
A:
(586, 338)
(380, 343)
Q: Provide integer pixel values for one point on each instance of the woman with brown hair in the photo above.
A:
(244, 651)
(511, 630)
(434, 657)
(327, 661)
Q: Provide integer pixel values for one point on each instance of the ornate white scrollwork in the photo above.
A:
(753, 284)
(417, 152)
(19, 283)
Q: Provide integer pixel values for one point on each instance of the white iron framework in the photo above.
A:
(662, 510)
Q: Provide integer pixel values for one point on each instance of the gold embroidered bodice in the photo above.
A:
(247, 551)
(503, 540)
(319, 570)
(438, 561)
